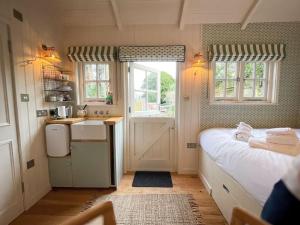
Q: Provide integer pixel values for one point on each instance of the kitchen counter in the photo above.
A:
(64, 121)
(107, 120)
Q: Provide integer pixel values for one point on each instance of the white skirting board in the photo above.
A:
(226, 192)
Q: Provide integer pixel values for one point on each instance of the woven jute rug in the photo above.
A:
(154, 209)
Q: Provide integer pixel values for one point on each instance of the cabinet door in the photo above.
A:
(60, 170)
(90, 164)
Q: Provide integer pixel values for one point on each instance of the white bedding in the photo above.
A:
(257, 170)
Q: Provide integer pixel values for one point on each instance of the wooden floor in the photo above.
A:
(61, 204)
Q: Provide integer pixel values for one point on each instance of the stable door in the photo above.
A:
(11, 198)
(152, 113)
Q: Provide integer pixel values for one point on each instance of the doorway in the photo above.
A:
(152, 103)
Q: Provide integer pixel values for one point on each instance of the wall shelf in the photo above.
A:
(54, 81)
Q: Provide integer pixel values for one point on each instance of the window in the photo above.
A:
(153, 88)
(97, 82)
(244, 82)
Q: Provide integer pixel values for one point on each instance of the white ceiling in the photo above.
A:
(139, 12)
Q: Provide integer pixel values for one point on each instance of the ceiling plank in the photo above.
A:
(183, 14)
(116, 13)
(250, 13)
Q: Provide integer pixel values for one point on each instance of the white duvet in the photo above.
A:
(257, 170)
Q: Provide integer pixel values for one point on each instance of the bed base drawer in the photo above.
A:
(224, 200)
(226, 192)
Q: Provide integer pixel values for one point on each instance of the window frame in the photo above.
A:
(111, 82)
(272, 70)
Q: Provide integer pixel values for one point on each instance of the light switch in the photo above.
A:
(24, 97)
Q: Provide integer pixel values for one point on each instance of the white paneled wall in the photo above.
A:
(38, 27)
(155, 35)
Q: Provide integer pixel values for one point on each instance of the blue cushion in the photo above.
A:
(282, 207)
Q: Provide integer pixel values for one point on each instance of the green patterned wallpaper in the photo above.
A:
(286, 113)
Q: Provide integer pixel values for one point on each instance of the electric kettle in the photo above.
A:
(60, 112)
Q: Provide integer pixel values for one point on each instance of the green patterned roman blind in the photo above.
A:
(246, 52)
(152, 53)
(92, 53)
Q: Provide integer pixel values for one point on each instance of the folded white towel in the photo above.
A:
(244, 129)
(284, 149)
(243, 132)
(244, 126)
(291, 139)
(280, 131)
(241, 136)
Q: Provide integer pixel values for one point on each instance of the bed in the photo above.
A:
(236, 174)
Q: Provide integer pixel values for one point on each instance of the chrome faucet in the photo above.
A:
(99, 113)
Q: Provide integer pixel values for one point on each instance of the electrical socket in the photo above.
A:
(41, 113)
(191, 145)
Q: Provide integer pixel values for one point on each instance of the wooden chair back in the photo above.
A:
(102, 214)
(242, 217)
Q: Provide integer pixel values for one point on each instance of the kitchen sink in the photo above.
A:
(88, 130)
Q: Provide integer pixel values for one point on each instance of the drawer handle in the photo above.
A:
(225, 188)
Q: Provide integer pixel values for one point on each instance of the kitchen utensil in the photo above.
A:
(60, 98)
(52, 98)
(81, 113)
(66, 88)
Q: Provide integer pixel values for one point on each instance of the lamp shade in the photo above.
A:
(198, 60)
(50, 55)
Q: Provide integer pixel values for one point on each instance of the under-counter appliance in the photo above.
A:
(58, 140)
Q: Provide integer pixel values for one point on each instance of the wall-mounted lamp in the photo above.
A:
(198, 61)
(50, 54)
(46, 53)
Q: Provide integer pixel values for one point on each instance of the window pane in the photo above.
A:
(103, 71)
(91, 90)
(231, 88)
(90, 72)
(260, 88)
(167, 94)
(152, 97)
(139, 79)
(152, 81)
(248, 70)
(219, 89)
(220, 70)
(139, 101)
(231, 70)
(103, 89)
(260, 70)
(152, 102)
(248, 88)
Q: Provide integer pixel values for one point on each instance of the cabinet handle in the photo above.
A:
(225, 188)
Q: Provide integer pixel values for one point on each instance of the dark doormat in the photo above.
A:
(152, 179)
